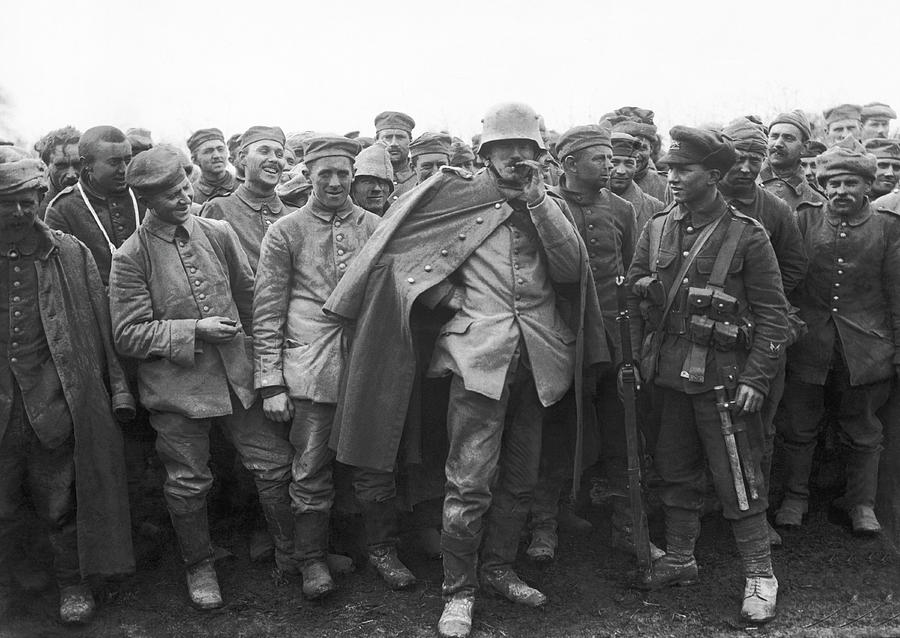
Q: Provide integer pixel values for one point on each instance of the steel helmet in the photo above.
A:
(511, 121)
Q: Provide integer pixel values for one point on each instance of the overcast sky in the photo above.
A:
(174, 66)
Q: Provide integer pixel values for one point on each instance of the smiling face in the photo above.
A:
(887, 173)
(263, 164)
(17, 214)
(331, 178)
(173, 205)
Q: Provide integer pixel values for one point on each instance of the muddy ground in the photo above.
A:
(832, 584)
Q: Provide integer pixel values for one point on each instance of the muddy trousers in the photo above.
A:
(312, 485)
(492, 468)
(183, 447)
(860, 431)
(48, 475)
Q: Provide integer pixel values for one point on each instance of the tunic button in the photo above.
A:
(840, 272)
(13, 254)
(690, 229)
(13, 360)
(193, 269)
(17, 269)
(339, 237)
(342, 265)
(685, 281)
(196, 282)
(685, 253)
(427, 268)
(843, 234)
(521, 281)
(205, 308)
(462, 236)
(497, 205)
(337, 223)
(16, 284)
(590, 227)
(834, 310)
(202, 296)
(411, 280)
(479, 220)
(840, 260)
(16, 299)
(444, 252)
(340, 252)
(843, 223)
(836, 298)
(837, 285)
(593, 240)
(518, 297)
(15, 344)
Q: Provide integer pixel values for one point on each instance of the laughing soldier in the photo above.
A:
(181, 294)
(715, 315)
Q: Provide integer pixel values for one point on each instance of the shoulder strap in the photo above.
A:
(726, 254)
(682, 271)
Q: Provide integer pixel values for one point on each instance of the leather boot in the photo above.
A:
(864, 521)
(311, 546)
(760, 598)
(501, 542)
(506, 582)
(76, 604)
(544, 541)
(456, 619)
(192, 531)
(381, 544)
(678, 566)
(280, 521)
(791, 512)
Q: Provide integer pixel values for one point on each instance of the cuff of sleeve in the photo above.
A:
(270, 391)
(268, 372)
(182, 341)
(123, 401)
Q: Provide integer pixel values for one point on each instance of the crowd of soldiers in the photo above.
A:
(376, 324)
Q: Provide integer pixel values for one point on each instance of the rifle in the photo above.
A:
(640, 532)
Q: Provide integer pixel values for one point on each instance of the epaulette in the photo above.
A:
(458, 171)
(745, 218)
(887, 211)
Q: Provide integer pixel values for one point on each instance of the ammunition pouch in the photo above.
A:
(653, 300)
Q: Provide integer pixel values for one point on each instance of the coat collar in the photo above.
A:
(794, 181)
(315, 207)
(718, 204)
(165, 230)
(857, 218)
(256, 202)
(580, 198)
(40, 242)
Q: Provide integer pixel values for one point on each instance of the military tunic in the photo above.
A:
(404, 180)
(116, 212)
(249, 215)
(645, 206)
(793, 189)
(205, 190)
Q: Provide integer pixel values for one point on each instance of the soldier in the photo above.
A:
(486, 250)
(461, 155)
(876, 120)
(887, 167)
(254, 206)
(61, 391)
(394, 130)
(850, 301)
(741, 191)
(209, 152)
(607, 224)
(299, 361)
(638, 123)
(781, 174)
(429, 152)
(100, 210)
(59, 151)
(234, 147)
(626, 149)
(841, 122)
(704, 274)
(811, 150)
(181, 294)
(373, 179)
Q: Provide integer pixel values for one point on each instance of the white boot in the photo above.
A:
(456, 619)
(760, 595)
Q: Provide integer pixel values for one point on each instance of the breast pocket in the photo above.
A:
(457, 326)
(705, 265)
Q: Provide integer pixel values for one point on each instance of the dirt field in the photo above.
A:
(831, 585)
